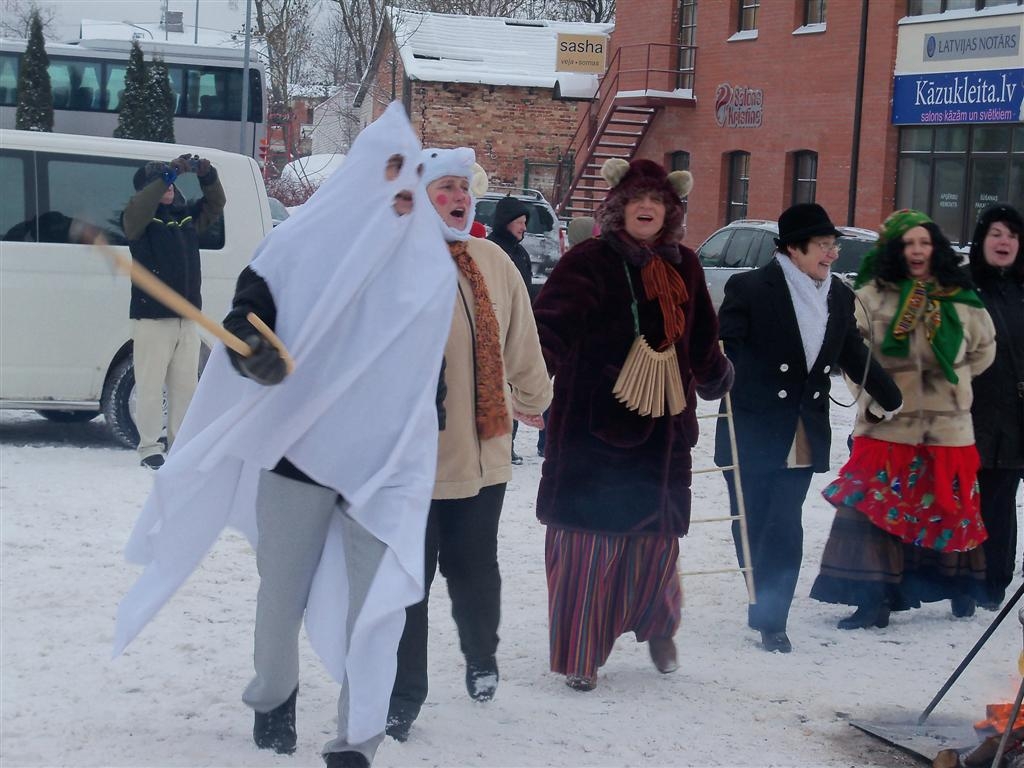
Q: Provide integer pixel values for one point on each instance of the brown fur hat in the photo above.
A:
(629, 180)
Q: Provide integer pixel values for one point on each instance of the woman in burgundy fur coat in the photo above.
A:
(615, 486)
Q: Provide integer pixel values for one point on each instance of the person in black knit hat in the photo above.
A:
(510, 218)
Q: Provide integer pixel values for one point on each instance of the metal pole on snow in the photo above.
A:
(243, 122)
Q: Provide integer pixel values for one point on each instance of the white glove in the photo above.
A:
(876, 410)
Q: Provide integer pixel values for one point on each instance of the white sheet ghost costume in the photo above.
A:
(364, 303)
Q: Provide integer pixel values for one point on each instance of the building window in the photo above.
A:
(805, 176)
(687, 43)
(922, 7)
(748, 15)
(739, 185)
(814, 11)
(679, 161)
(952, 172)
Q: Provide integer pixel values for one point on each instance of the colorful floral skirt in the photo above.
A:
(926, 496)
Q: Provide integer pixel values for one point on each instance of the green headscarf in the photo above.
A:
(920, 301)
(894, 226)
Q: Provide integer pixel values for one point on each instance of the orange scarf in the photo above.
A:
(665, 284)
(492, 418)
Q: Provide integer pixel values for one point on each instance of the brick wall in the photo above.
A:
(506, 125)
(808, 83)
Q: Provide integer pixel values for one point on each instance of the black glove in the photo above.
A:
(184, 164)
(202, 166)
(264, 366)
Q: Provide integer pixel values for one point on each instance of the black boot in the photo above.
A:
(346, 760)
(962, 606)
(482, 679)
(873, 615)
(276, 729)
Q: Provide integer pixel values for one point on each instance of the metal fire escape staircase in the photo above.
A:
(640, 81)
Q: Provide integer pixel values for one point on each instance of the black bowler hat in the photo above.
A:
(802, 221)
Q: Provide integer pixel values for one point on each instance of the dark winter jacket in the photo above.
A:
(773, 388)
(165, 240)
(998, 407)
(607, 468)
(507, 210)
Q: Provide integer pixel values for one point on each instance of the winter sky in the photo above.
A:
(227, 15)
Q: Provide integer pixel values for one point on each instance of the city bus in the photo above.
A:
(87, 82)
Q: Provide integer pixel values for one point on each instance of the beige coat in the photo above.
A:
(935, 411)
(465, 464)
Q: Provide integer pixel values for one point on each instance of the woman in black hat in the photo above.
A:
(787, 326)
(997, 267)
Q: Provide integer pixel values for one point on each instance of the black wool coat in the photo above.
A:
(773, 388)
(998, 407)
(606, 468)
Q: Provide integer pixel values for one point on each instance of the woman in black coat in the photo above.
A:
(787, 327)
(998, 409)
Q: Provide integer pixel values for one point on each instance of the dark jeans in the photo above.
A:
(999, 513)
(773, 502)
(462, 539)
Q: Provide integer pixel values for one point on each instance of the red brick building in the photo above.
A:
(486, 83)
(771, 103)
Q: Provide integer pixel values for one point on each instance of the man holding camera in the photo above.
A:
(163, 234)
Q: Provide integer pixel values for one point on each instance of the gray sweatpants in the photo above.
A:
(292, 518)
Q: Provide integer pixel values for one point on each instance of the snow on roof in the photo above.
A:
(446, 48)
(313, 169)
(154, 34)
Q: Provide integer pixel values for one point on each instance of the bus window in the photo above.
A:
(208, 93)
(16, 218)
(115, 86)
(78, 83)
(8, 79)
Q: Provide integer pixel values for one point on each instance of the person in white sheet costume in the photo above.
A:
(334, 466)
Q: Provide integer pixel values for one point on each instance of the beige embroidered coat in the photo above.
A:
(935, 411)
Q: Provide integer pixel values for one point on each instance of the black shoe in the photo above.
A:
(866, 616)
(398, 726)
(276, 729)
(153, 462)
(663, 654)
(346, 760)
(775, 641)
(581, 682)
(482, 679)
(540, 451)
(516, 458)
(962, 606)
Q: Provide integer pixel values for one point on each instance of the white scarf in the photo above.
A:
(810, 302)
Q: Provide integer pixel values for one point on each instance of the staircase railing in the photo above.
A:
(635, 71)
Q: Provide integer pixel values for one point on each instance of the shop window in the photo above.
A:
(748, 15)
(814, 11)
(805, 176)
(739, 185)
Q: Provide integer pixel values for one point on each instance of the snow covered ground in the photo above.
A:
(68, 500)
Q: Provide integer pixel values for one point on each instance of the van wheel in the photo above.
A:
(69, 417)
(117, 401)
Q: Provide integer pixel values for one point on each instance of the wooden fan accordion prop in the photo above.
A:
(649, 380)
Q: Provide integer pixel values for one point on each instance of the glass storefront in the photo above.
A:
(952, 172)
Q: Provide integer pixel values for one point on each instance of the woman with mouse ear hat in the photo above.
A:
(630, 335)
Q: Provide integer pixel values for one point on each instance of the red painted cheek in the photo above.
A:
(442, 199)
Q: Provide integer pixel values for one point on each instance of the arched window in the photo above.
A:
(805, 176)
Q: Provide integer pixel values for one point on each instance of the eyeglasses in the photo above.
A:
(827, 246)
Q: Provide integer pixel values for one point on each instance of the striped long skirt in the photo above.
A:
(601, 586)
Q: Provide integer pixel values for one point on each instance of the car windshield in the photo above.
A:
(851, 251)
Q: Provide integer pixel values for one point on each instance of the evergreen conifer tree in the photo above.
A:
(35, 97)
(133, 121)
(161, 110)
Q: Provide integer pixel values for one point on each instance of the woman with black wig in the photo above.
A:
(908, 525)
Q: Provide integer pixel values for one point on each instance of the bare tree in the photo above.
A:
(16, 18)
(287, 28)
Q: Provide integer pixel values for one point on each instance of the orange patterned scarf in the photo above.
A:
(665, 284)
(492, 419)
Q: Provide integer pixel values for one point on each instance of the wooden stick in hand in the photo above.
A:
(273, 338)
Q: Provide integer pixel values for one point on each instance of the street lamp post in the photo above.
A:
(245, 78)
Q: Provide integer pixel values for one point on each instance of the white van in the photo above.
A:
(65, 336)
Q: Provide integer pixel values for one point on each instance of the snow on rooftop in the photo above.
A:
(154, 33)
(482, 49)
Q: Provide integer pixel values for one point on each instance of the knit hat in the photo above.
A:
(629, 180)
(581, 228)
(1001, 213)
(455, 162)
(507, 210)
(803, 221)
(893, 227)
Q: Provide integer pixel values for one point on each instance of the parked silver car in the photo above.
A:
(544, 239)
(750, 243)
